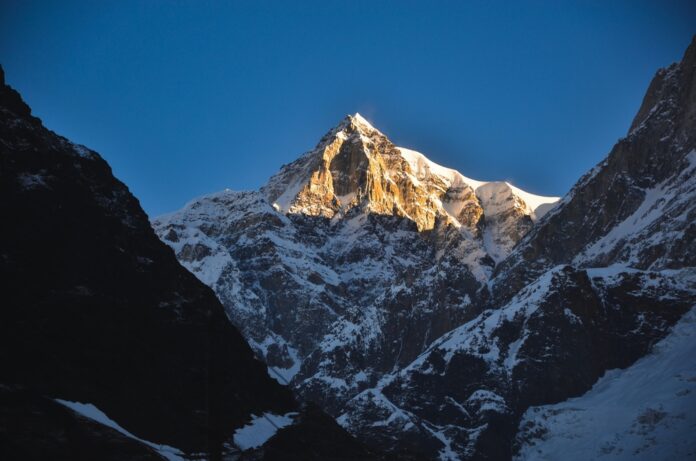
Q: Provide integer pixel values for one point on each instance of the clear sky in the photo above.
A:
(184, 98)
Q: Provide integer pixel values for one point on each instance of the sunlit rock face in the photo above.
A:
(356, 166)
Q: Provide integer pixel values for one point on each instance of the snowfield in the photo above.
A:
(645, 412)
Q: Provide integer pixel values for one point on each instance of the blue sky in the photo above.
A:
(186, 98)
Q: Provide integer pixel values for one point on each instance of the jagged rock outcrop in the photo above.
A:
(462, 398)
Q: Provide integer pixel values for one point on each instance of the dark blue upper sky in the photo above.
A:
(186, 98)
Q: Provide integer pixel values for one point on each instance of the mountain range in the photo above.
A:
(365, 303)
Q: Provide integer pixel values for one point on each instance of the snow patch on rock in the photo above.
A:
(95, 414)
(260, 429)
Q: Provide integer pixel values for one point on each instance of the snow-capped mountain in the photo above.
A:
(429, 311)
(352, 259)
(356, 167)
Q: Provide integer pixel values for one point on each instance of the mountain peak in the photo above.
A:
(350, 124)
(359, 120)
(356, 167)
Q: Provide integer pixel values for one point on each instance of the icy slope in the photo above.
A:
(644, 412)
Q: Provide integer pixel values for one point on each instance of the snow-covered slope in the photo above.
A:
(644, 412)
(534, 205)
(508, 211)
(462, 396)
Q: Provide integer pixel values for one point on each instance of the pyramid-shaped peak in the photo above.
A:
(356, 166)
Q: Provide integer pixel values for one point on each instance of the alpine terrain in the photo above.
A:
(437, 314)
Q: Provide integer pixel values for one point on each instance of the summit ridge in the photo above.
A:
(357, 166)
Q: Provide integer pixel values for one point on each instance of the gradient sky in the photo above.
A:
(187, 98)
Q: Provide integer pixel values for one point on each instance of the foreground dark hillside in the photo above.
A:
(95, 309)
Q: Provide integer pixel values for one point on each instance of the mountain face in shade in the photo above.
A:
(432, 312)
(635, 208)
(110, 349)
